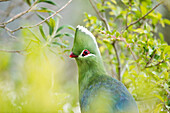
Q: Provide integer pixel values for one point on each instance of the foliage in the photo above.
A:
(37, 85)
(143, 53)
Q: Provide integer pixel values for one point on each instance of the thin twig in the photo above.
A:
(12, 51)
(20, 14)
(101, 17)
(155, 64)
(150, 60)
(118, 60)
(165, 89)
(4, 0)
(23, 27)
(143, 16)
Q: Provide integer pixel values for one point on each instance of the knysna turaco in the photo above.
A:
(98, 92)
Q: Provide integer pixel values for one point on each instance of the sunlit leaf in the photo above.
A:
(64, 26)
(51, 25)
(159, 97)
(42, 32)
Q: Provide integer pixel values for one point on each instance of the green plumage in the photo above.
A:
(98, 92)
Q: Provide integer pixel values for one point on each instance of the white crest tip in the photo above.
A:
(86, 31)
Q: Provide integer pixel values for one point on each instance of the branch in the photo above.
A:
(143, 16)
(4, 0)
(150, 60)
(23, 27)
(13, 51)
(155, 64)
(101, 17)
(161, 85)
(20, 14)
(118, 60)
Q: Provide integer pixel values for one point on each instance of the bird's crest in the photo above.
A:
(84, 39)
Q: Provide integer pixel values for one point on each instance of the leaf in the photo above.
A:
(42, 18)
(51, 25)
(58, 35)
(36, 37)
(159, 97)
(161, 37)
(48, 1)
(158, 108)
(125, 1)
(69, 35)
(28, 2)
(43, 9)
(42, 32)
(60, 44)
(139, 30)
(166, 75)
(143, 9)
(166, 21)
(65, 26)
(167, 50)
(114, 1)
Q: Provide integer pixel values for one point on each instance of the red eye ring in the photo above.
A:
(85, 52)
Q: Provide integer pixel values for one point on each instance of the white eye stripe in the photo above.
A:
(86, 55)
(81, 55)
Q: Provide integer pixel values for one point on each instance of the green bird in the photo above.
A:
(98, 92)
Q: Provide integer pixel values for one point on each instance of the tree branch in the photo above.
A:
(101, 17)
(118, 60)
(150, 60)
(155, 64)
(4, 0)
(3, 25)
(23, 27)
(143, 16)
(13, 51)
(20, 14)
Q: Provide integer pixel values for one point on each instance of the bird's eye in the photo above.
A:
(85, 52)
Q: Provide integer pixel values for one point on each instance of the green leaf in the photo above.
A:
(58, 35)
(60, 44)
(43, 9)
(161, 37)
(28, 2)
(51, 25)
(139, 30)
(125, 1)
(159, 97)
(65, 26)
(42, 18)
(42, 32)
(48, 1)
(167, 50)
(69, 35)
(36, 37)
(143, 9)
(166, 21)
(114, 1)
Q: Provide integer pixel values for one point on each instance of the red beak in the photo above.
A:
(72, 55)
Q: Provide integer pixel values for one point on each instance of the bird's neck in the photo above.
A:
(89, 69)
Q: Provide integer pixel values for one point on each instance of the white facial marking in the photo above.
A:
(90, 54)
(86, 31)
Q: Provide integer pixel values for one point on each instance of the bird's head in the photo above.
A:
(85, 46)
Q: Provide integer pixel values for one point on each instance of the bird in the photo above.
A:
(98, 92)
